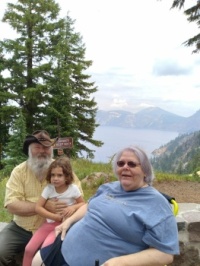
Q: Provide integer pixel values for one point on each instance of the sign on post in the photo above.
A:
(64, 143)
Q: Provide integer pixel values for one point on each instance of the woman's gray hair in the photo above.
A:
(143, 160)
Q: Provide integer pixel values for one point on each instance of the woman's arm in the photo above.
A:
(39, 208)
(62, 229)
(148, 257)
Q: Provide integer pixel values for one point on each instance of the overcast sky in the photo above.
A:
(137, 50)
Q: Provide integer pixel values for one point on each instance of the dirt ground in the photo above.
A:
(182, 191)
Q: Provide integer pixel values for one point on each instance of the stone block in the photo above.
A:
(189, 256)
(194, 231)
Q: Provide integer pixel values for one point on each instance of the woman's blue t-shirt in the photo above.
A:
(119, 223)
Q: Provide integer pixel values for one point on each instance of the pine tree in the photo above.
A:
(13, 151)
(7, 111)
(29, 62)
(193, 15)
(47, 72)
(72, 109)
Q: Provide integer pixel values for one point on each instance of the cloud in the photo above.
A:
(138, 55)
(118, 102)
(170, 67)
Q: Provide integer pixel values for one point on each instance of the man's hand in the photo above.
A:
(55, 206)
(60, 206)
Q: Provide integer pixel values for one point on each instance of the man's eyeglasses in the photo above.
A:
(130, 164)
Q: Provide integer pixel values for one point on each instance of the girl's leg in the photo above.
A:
(50, 255)
(37, 260)
(49, 239)
(36, 242)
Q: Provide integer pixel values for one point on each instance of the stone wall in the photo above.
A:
(188, 222)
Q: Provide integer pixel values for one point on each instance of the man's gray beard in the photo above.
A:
(39, 164)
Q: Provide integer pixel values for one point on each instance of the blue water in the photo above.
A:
(115, 138)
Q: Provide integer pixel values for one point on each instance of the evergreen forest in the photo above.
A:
(180, 156)
(44, 80)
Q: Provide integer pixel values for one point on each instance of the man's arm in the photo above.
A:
(22, 208)
(15, 196)
(60, 206)
(40, 209)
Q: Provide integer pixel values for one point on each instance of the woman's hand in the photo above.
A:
(62, 229)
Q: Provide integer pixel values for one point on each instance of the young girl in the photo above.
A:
(60, 179)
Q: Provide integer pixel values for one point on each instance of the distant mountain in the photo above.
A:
(150, 118)
(191, 123)
(180, 155)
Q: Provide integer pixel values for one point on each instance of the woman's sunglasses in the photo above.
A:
(130, 164)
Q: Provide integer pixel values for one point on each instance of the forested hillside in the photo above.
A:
(181, 155)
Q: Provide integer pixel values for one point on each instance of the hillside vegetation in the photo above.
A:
(181, 156)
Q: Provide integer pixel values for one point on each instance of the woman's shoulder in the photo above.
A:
(158, 200)
(156, 193)
(108, 187)
(114, 184)
(159, 193)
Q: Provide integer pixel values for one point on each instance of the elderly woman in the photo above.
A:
(126, 223)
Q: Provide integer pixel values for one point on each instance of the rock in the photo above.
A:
(96, 179)
(189, 256)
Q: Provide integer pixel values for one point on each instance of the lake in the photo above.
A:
(115, 138)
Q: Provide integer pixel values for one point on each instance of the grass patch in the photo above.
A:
(4, 215)
(175, 177)
(83, 167)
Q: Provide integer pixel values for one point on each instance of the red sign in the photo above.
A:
(63, 143)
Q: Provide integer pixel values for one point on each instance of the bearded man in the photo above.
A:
(23, 189)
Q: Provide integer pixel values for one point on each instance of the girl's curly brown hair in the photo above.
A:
(65, 164)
